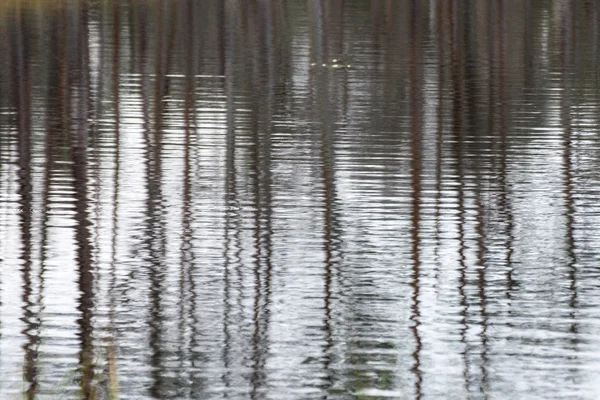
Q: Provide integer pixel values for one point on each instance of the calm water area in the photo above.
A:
(301, 199)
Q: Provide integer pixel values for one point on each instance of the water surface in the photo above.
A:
(300, 199)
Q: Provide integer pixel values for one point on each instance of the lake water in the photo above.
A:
(300, 199)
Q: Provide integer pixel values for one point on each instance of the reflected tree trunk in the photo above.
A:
(416, 132)
(31, 319)
(80, 98)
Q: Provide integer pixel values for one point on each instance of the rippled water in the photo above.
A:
(300, 199)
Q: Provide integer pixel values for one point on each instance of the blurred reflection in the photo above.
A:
(264, 199)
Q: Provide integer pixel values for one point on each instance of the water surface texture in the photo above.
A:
(261, 199)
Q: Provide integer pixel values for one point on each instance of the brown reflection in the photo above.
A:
(441, 30)
(79, 98)
(22, 94)
(55, 139)
(456, 78)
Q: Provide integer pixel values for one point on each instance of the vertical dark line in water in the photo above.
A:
(20, 45)
(567, 38)
(340, 7)
(329, 192)
(268, 247)
(94, 109)
(257, 378)
(471, 98)
(79, 140)
(495, 85)
(457, 107)
(222, 37)
(327, 160)
(55, 128)
(257, 359)
(317, 43)
(327, 163)
(155, 230)
(439, 136)
(60, 134)
(137, 39)
(230, 206)
(113, 385)
(266, 171)
(376, 23)
(481, 283)
(492, 35)
(505, 197)
(528, 49)
(262, 195)
(416, 109)
(145, 64)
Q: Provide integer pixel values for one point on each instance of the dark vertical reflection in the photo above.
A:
(258, 378)
(499, 69)
(57, 127)
(566, 28)
(155, 231)
(317, 37)
(457, 150)
(441, 29)
(187, 281)
(112, 340)
(325, 105)
(80, 99)
(481, 287)
(261, 131)
(416, 131)
(22, 101)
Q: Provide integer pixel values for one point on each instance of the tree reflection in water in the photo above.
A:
(196, 202)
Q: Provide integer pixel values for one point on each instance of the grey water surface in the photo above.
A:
(261, 199)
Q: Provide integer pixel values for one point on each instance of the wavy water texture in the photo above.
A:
(299, 199)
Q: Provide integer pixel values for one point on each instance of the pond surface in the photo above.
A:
(300, 200)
